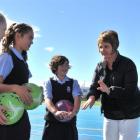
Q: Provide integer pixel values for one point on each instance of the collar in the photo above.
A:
(17, 53)
(116, 62)
(61, 81)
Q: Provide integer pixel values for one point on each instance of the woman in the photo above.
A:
(115, 80)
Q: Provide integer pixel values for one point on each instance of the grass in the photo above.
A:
(98, 103)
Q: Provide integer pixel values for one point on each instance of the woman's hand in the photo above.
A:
(103, 87)
(89, 103)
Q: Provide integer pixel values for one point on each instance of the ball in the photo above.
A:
(64, 105)
(14, 107)
(37, 95)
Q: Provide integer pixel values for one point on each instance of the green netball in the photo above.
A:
(14, 107)
(37, 95)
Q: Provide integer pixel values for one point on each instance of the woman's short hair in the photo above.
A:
(111, 37)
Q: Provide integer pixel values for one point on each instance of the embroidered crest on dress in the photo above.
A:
(68, 89)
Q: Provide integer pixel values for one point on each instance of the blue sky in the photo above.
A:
(71, 28)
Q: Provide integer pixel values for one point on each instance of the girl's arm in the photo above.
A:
(50, 106)
(21, 91)
(76, 107)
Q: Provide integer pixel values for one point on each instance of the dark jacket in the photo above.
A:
(123, 102)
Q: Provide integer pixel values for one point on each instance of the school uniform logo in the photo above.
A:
(68, 89)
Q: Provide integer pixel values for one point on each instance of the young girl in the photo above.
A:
(58, 88)
(14, 73)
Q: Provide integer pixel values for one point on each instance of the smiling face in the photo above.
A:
(108, 43)
(59, 66)
(62, 69)
(23, 42)
(106, 50)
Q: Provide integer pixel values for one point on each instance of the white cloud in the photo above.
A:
(36, 31)
(10, 21)
(49, 49)
(47, 65)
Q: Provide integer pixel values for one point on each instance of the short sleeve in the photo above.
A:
(47, 87)
(76, 89)
(6, 65)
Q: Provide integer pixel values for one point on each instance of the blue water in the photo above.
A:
(89, 123)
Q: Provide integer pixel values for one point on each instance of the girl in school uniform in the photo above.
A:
(14, 72)
(57, 88)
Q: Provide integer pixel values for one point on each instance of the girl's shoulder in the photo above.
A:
(5, 57)
(75, 81)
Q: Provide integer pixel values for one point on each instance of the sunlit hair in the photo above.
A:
(2, 19)
(56, 61)
(3, 26)
(9, 37)
(111, 37)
